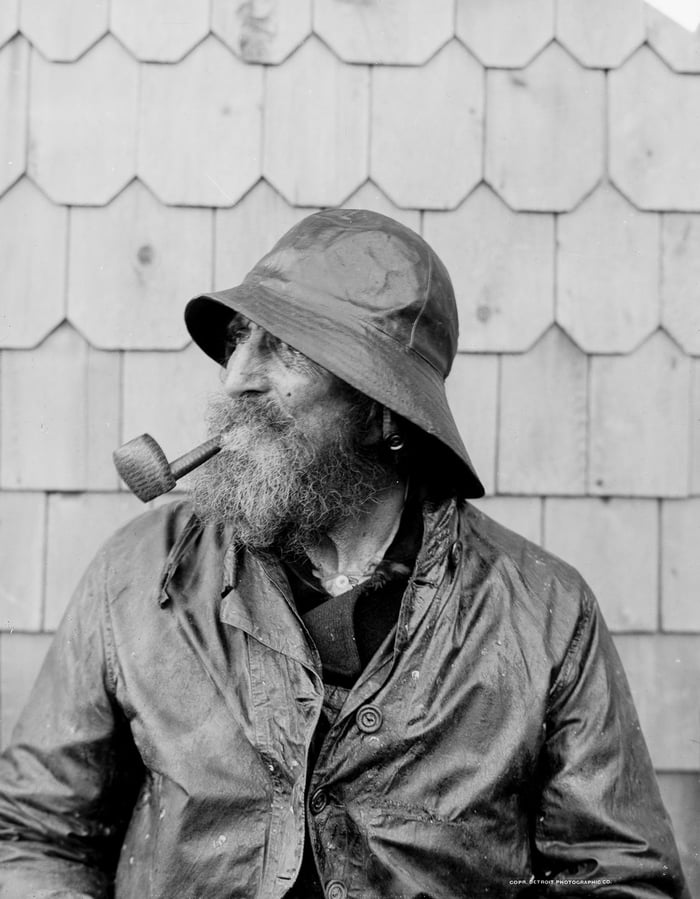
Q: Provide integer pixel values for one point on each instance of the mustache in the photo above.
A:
(261, 412)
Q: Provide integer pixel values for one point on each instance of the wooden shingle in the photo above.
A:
(60, 414)
(387, 32)
(680, 565)
(186, 379)
(369, 196)
(431, 119)
(505, 33)
(262, 32)
(248, 231)
(676, 45)
(22, 537)
(32, 265)
(542, 422)
(598, 33)
(608, 273)
(21, 657)
(472, 392)
(316, 128)
(640, 418)
(159, 30)
(78, 524)
(14, 71)
(502, 268)
(82, 124)
(522, 514)
(64, 29)
(9, 19)
(204, 116)
(133, 265)
(655, 134)
(664, 672)
(615, 546)
(680, 279)
(545, 132)
(681, 796)
(695, 427)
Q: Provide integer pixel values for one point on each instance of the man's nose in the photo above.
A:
(246, 371)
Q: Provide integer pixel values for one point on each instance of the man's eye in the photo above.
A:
(288, 353)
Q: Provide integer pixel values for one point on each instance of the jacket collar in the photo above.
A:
(254, 595)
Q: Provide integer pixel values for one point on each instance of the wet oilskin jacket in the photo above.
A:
(490, 740)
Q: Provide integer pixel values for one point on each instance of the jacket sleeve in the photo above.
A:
(600, 816)
(68, 780)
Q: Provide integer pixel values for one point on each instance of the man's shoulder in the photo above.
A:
(534, 579)
(144, 545)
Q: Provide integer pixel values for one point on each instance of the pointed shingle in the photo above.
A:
(388, 32)
(608, 273)
(640, 419)
(133, 266)
(187, 378)
(159, 30)
(615, 546)
(249, 230)
(505, 33)
(14, 87)
(32, 265)
(22, 545)
(680, 568)
(676, 45)
(63, 30)
(316, 127)
(664, 672)
(655, 134)
(598, 33)
(78, 524)
(82, 125)
(203, 117)
(545, 132)
(21, 657)
(680, 279)
(60, 415)
(427, 130)
(9, 19)
(266, 32)
(502, 268)
(542, 421)
(369, 196)
(472, 392)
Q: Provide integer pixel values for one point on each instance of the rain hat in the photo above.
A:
(366, 298)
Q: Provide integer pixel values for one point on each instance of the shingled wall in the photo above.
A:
(548, 149)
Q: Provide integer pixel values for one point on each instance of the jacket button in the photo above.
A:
(336, 890)
(318, 801)
(456, 552)
(369, 719)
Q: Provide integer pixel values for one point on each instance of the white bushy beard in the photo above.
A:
(276, 485)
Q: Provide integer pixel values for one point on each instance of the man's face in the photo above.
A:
(261, 366)
(297, 455)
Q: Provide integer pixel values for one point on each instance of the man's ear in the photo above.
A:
(391, 432)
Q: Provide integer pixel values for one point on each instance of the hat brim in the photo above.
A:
(356, 351)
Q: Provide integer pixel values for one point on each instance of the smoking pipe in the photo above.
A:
(145, 470)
